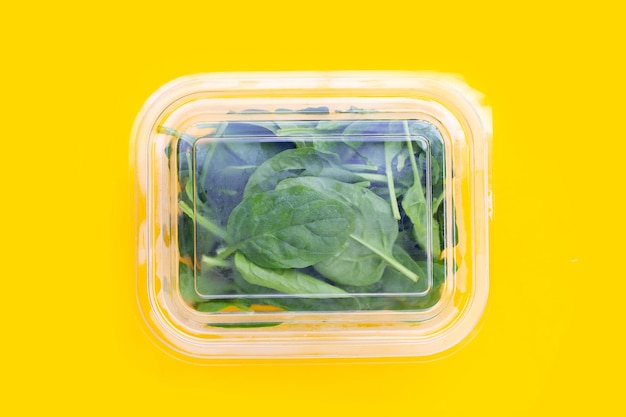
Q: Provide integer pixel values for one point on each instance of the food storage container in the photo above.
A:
(284, 215)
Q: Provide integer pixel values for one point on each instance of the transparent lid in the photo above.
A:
(301, 214)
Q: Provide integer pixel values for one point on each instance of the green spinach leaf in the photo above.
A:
(290, 228)
(369, 249)
(288, 281)
(296, 163)
(394, 282)
(415, 206)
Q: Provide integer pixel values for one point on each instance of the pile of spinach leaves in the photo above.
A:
(311, 215)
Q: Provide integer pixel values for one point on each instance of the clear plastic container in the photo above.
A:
(312, 214)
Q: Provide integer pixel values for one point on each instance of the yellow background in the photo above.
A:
(74, 77)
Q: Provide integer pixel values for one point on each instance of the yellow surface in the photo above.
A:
(75, 75)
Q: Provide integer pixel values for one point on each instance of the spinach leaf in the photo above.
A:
(290, 228)
(410, 300)
(369, 249)
(395, 282)
(414, 302)
(293, 303)
(293, 163)
(288, 281)
(415, 206)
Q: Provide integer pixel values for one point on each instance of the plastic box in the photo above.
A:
(312, 214)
